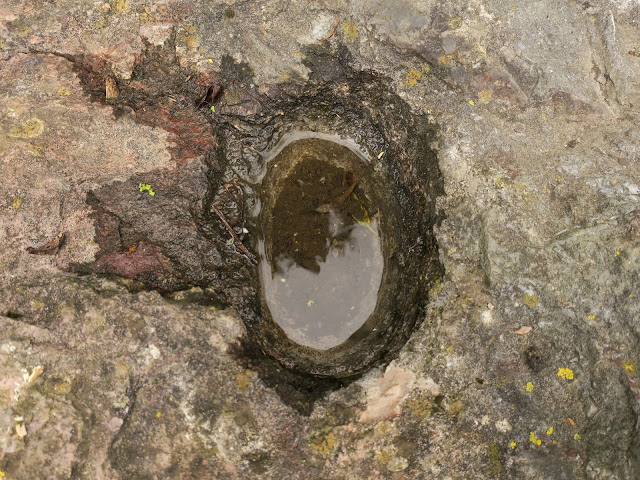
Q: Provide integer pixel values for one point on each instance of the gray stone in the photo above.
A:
(539, 226)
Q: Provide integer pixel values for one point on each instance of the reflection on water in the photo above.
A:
(323, 309)
(322, 261)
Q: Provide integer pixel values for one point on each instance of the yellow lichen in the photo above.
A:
(17, 203)
(494, 463)
(455, 23)
(529, 387)
(577, 436)
(189, 37)
(37, 150)
(62, 388)
(146, 15)
(350, 30)
(63, 92)
(524, 193)
(420, 406)
(565, 373)
(24, 31)
(534, 440)
(29, 129)
(159, 414)
(485, 96)
(382, 429)
(120, 6)
(591, 318)
(550, 431)
(324, 444)
(385, 456)
(629, 367)
(512, 445)
(412, 77)
(456, 408)
(530, 300)
(244, 379)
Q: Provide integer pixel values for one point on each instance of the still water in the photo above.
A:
(322, 262)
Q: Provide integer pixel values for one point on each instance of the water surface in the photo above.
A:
(322, 261)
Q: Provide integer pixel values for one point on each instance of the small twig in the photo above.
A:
(332, 31)
(346, 194)
(238, 202)
(236, 239)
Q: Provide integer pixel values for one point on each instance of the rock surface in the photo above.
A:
(538, 146)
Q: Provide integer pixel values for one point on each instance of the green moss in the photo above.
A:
(145, 187)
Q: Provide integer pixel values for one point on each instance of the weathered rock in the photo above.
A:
(540, 227)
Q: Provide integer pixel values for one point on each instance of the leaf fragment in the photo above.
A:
(523, 331)
(49, 248)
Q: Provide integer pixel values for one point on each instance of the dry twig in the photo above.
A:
(346, 194)
(236, 239)
(332, 31)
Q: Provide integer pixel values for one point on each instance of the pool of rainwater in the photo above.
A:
(309, 208)
(321, 250)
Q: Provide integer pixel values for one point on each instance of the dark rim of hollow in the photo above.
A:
(407, 180)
